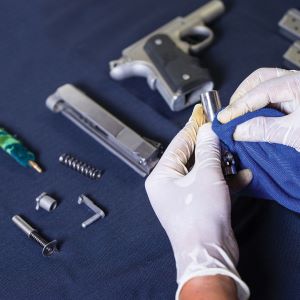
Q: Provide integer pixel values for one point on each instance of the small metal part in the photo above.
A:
(99, 213)
(46, 202)
(289, 25)
(80, 166)
(212, 105)
(228, 162)
(35, 166)
(48, 247)
(292, 56)
(137, 152)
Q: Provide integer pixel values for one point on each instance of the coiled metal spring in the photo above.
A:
(80, 166)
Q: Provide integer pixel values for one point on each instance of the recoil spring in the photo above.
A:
(80, 166)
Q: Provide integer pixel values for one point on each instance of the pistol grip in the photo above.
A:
(182, 72)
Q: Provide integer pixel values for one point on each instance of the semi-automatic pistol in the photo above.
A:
(167, 57)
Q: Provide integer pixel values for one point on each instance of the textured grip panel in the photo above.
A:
(182, 72)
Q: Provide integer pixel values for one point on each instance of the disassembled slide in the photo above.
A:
(137, 152)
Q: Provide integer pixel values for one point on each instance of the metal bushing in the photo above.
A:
(46, 202)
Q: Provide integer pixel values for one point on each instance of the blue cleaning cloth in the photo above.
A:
(275, 167)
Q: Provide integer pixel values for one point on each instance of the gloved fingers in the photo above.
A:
(256, 78)
(239, 181)
(174, 160)
(263, 129)
(207, 151)
(280, 90)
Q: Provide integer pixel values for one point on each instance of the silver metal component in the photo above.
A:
(292, 56)
(48, 247)
(228, 162)
(186, 76)
(46, 202)
(289, 25)
(212, 105)
(23, 225)
(138, 153)
(80, 166)
(99, 213)
(136, 62)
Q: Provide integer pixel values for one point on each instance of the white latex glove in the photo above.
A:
(277, 88)
(194, 207)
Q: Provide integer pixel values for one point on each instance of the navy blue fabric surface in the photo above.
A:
(275, 167)
(127, 255)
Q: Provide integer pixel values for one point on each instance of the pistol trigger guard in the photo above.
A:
(203, 32)
(124, 69)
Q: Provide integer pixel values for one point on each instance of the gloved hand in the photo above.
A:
(194, 207)
(277, 88)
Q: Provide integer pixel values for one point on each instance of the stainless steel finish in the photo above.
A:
(140, 154)
(46, 202)
(80, 166)
(289, 25)
(211, 104)
(99, 213)
(23, 225)
(292, 56)
(136, 62)
(48, 247)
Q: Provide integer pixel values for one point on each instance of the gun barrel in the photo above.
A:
(211, 104)
(207, 12)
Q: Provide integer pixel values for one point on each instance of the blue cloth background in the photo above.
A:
(127, 255)
(275, 167)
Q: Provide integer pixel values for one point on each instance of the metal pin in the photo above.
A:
(99, 213)
(48, 247)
